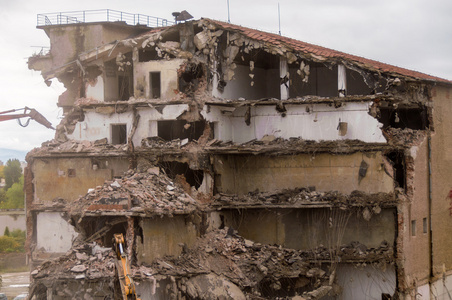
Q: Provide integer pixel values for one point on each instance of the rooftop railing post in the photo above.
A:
(121, 16)
(108, 15)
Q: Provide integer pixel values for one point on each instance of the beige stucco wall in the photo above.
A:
(168, 77)
(309, 228)
(415, 248)
(442, 183)
(326, 172)
(51, 178)
(163, 236)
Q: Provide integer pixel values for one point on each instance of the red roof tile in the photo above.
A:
(325, 52)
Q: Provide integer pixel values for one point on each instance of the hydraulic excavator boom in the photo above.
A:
(27, 113)
(123, 269)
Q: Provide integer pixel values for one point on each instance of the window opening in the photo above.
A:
(70, 172)
(180, 129)
(155, 84)
(424, 225)
(118, 134)
(398, 162)
(193, 177)
(413, 227)
(412, 118)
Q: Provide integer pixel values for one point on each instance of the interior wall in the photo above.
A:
(168, 77)
(53, 233)
(50, 175)
(162, 236)
(365, 282)
(95, 89)
(306, 229)
(315, 122)
(241, 174)
(266, 84)
(322, 81)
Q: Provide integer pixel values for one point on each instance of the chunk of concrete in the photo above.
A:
(211, 286)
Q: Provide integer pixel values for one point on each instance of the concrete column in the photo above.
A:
(341, 80)
(284, 75)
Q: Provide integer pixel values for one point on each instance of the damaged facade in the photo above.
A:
(238, 164)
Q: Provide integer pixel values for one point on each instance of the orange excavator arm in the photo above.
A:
(27, 113)
(123, 269)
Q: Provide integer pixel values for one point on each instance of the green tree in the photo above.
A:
(6, 233)
(1, 170)
(12, 172)
(15, 196)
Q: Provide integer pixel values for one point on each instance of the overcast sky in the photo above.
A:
(413, 34)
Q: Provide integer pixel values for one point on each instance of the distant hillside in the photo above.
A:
(6, 154)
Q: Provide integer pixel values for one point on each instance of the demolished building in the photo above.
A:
(238, 164)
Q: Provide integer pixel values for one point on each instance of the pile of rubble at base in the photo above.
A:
(221, 265)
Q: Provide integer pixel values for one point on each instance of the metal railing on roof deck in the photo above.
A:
(100, 15)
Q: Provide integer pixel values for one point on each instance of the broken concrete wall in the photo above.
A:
(241, 174)
(76, 175)
(53, 233)
(366, 281)
(67, 42)
(306, 229)
(310, 122)
(98, 122)
(168, 83)
(164, 236)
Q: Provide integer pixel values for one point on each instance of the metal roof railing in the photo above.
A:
(100, 15)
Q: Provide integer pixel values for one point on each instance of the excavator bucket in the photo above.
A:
(35, 115)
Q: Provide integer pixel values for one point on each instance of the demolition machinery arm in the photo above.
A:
(27, 113)
(123, 269)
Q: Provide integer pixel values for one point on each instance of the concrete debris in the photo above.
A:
(221, 265)
(136, 193)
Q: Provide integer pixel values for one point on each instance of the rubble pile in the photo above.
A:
(264, 270)
(405, 137)
(304, 196)
(89, 265)
(57, 147)
(147, 192)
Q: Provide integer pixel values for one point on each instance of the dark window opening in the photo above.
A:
(385, 296)
(189, 78)
(102, 229)
(180, 129)
(118, 134)
(148, 54)
(173, 168)
(413, 118)
(125, 87)
(424, 225)
(70, 172)
(398, 163)
(321, 81)
(413, 227)
(154, 84)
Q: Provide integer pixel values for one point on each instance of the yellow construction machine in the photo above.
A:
(123, 269)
